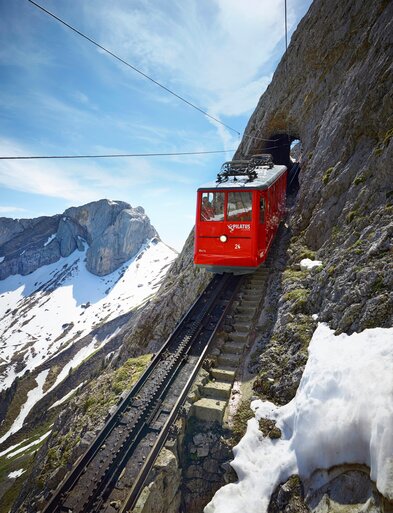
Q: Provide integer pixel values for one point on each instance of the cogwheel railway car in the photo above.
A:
(239, 214)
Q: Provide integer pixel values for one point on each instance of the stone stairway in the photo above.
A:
(215, 393)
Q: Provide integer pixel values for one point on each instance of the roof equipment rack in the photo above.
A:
(235, 169)
(262, 159)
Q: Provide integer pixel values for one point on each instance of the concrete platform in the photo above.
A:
(217, 390)
(223, 375)
(209, 410)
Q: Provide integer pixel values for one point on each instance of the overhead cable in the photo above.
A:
(114, 155)
(119, 155)
(131, 66)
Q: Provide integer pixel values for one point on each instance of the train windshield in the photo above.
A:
(212, 207)
(239, 206)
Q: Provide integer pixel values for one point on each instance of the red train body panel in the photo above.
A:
(237, 219)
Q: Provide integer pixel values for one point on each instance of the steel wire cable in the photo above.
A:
(112, 54)
(98, 45)
(118, 155)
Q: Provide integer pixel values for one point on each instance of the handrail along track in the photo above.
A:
(142, 421)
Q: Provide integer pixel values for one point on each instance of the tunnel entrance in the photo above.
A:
(287, 151)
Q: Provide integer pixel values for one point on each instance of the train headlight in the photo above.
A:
(223, 238)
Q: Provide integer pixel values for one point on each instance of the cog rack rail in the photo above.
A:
(110, 475)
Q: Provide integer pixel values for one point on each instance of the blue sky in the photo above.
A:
(61, 95)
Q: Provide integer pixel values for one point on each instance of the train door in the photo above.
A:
(262, 232)
(269, 215)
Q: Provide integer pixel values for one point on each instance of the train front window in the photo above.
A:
(212, 206)
(239, 206)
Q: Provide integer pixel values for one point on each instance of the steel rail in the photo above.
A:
(141, 479)
(178, 344)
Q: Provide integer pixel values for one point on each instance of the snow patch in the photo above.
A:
(342, 413)
(67, 396)
(2, 259)
(306, 264)
(16, 473)
(33, 396)
(32, 444)
(54, 298)
(53, 236)
(6, 451)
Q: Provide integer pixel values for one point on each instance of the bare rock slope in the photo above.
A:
(113, 229)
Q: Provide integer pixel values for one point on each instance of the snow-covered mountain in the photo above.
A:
(56, 305)
(50, 317)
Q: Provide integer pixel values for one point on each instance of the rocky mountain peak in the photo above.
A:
(114, 230)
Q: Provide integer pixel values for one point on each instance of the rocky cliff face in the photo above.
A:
(113, 229)
(333, 92)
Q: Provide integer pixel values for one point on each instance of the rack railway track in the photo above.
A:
(109, 477)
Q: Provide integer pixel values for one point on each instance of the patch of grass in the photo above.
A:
(378, 285)
(359, 179)
(305, 252)
(351, 216)
(24, 385)
(295, 295)
(383, 143)
(51, 377)
(262, 384)
(268, 428)
(128, 374)
(301, 331)
(331, 270)
(291, 275)
(299, 299)
(335, 232)
(327, 175)
(242, 416)
(10, 496)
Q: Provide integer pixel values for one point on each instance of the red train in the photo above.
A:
(239, 214)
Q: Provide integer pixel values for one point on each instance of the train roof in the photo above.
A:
(265, 177)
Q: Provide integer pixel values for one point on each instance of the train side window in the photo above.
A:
(262, 210)
(212, 206)
(239, 206)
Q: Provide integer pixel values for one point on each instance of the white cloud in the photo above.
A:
(10, 210)
(77, 181)
(86, 180)
(215, 52)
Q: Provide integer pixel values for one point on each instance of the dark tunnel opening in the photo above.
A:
(286, 150)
